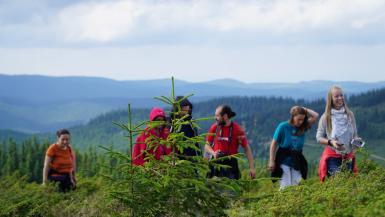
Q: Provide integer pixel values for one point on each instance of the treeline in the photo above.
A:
(370, 114)
(259, 115)
(27, 159)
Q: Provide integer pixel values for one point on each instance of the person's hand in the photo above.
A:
(73, 182)
(337, 146)
(358, 142)
(215, 154)
(358, 138)
(271, 165)
(252, 173)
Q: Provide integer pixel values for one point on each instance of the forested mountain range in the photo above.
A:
(259, 116)
(35, 104)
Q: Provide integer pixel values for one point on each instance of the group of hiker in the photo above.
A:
(336, 130)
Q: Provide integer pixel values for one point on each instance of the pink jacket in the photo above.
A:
(143, 141)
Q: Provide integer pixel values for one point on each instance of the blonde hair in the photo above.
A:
(329, 106)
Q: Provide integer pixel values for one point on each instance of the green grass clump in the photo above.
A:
(345, 194)
(19, 198)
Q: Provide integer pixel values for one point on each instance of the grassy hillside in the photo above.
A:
(343, 195)
(20, 198)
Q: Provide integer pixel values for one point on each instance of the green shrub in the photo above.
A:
(345, 194)
(19, 198)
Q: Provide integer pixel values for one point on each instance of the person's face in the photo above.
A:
(159, 118)
(63, 140)
(337, 98)
(184, 110)
(298, 120)
(221, 120)
(161, 121)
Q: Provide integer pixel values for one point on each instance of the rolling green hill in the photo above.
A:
(38, 104)
(259, 116)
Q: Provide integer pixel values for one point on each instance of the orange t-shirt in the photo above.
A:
(62, 161)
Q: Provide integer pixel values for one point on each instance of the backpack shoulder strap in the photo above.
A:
(216, 133)
(231, 132)
(71, 154)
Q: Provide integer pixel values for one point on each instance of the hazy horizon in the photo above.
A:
(203, 81)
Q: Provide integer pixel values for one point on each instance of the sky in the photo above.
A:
(251, 41)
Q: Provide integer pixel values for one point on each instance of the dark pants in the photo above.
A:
(232, 172)
(64, 180)
(335, 165)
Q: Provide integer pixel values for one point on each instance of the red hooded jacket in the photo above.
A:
(153, 148)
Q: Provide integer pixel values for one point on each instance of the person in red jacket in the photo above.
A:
(224, 138)
(148, 141)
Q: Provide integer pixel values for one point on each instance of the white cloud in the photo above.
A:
(103, 21)
(110, 20)
(262, 40)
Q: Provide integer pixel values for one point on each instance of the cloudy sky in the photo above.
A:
(252, 41)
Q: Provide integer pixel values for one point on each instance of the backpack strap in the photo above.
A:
(216, 133)
(219, 129)
(72, 157)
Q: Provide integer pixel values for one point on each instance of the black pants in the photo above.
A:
(64, 180)
(232, 172)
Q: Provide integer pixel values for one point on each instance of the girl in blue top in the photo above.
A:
(288, 162)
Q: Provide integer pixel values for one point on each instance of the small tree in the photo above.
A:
(12, 161)
(169, 186)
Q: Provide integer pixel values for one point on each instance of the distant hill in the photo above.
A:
(5, 135)
(259, 115)
(34, 104)
(42, 89)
